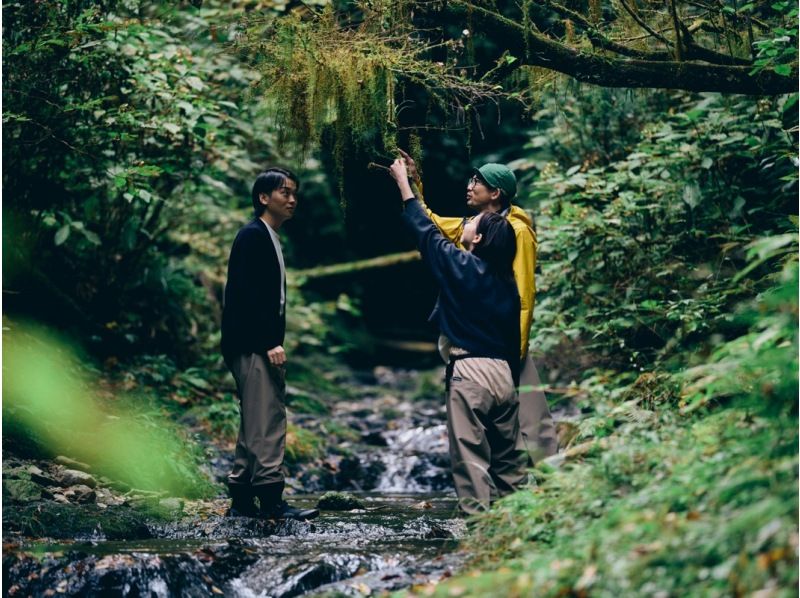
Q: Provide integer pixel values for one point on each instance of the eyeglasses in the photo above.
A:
(476, 181)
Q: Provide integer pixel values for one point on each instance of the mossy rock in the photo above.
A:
(55, 520)
(339, 501)
(21, 490)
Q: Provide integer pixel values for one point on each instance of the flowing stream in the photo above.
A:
(406, 534)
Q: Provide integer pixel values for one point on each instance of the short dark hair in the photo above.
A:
(269, 180)
(498, 244)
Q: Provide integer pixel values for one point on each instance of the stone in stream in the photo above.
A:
(81, 494)
(72, 477)
(71, 463)
(339, 501)
(40, 477)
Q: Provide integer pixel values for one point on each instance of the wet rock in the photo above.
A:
(108, 498)
(73, 477)
(80, 494)
(71, 463)
(374, 438)
(22, 490)
(339, 501)
(80, 574)
(55, 520)
(40, 477)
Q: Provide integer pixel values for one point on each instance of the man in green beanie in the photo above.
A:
(491, 189)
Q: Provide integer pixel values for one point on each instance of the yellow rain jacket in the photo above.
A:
(524, 260)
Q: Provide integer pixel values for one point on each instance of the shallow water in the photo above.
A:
(397, 541)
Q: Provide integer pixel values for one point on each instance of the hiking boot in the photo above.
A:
(242, 501)
(284, 511)
(270, 497)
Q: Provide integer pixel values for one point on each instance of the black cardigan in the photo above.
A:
(477, 309)
(251, 318)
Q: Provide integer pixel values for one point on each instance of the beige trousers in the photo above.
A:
(486, 450)
(261, 443)
(535, 420)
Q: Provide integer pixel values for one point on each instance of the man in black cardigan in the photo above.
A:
(253, 327)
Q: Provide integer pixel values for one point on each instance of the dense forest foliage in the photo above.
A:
(662, 177)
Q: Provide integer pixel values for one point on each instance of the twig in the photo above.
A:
(376, 166)
(644, 25)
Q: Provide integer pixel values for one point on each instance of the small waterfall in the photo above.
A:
(415, 460)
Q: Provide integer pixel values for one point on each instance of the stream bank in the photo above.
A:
(69, 532)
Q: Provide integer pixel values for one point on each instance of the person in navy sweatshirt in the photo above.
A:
(477, 312)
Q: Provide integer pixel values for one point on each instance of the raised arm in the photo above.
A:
(450, 226)
(445, 260)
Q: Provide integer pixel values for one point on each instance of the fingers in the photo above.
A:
(405, 155)
(277, 356)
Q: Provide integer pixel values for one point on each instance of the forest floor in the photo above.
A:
(646, 498)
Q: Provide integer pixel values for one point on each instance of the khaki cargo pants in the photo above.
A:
(535, 420)
(486, 450)
(261, 443)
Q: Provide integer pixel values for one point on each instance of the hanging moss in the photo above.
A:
(415, 149)
(319, 73)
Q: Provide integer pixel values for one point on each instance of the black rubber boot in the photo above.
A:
(270, 497)
(242, 503)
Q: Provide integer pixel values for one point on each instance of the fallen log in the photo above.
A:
(300, 277)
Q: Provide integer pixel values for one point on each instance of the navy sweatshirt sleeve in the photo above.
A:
(449, 264)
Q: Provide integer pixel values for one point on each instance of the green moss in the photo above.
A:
(302, 445)
(53, 520)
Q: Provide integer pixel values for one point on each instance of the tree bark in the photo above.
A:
(605, 71)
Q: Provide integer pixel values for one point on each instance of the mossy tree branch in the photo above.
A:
(537, 49)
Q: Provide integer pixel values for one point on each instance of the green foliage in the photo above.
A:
(337, 78)
(779, 52)
(131, 135)
(671, 250)
(302, 445)
(642, 257)
(51, 399)
(759, 368)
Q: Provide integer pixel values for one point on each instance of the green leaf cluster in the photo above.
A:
(130, 137)
(648, 244)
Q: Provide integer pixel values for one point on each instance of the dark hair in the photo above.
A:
(269, 180)
(498, 244)
(504, 201)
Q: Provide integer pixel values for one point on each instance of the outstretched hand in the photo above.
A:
(399, 173)
(410, 164)
(398, 170)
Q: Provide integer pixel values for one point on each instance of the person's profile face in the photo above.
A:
(479, 194)
(282, 202)
(470, 236)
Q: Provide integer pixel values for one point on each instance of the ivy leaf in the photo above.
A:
(91, 237)
(691, 195)
(62, 234)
